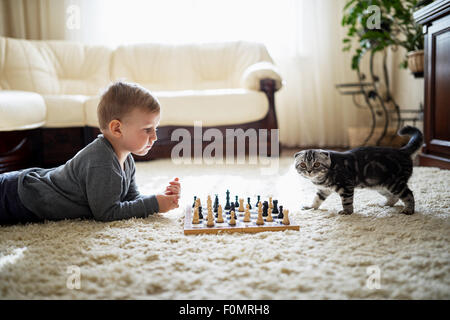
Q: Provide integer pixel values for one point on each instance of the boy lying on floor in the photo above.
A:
(99, 181)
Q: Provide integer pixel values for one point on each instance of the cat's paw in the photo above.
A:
(308, 208)
(407, 211)
(390, 203)
(346, 212)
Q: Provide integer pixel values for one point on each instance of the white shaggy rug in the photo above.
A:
(376, 253)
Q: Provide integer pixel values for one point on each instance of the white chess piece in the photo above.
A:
(196, 217)
(269, 215)
(260, 220)
(286, 217)
(247, 214)
(210, 218)
(219, 214)
(241, 205)
(232, 219)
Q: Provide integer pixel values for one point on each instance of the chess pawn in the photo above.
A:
(259, 207)
(270, 204)
(247, 214)
(260, 220)
(195, 219)
(248, 203)
(232, 219)
(265, 209)
(280, 215)
(219, 214)
(286, 217)
(210, 222)
(236, 203)
(269, 216)
(241, 205)
(200, 214)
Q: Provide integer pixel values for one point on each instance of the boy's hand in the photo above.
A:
(167, 202)
(174, 188)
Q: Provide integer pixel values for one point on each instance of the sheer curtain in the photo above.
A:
(302, 36)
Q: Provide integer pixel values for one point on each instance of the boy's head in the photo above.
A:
(129, 114)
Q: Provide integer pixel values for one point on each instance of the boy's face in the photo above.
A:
(139, 131)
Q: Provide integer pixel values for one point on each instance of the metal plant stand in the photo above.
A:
(379, 104)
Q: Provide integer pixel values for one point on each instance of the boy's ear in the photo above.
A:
(115, 128)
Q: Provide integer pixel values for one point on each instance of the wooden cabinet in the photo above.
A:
(435, 19)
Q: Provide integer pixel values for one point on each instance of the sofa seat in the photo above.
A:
(211, 107)
(21, 110)
(65, 111)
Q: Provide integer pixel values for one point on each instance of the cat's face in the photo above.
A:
(312, 164)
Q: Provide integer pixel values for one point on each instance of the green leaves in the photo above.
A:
(397, 27)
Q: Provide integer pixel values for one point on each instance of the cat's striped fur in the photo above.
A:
(383, 168)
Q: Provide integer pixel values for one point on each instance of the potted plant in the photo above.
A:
(379, 24)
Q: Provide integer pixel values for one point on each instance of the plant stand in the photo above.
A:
(366, 95)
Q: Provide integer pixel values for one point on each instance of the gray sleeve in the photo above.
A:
(104, 187)
(133, 192)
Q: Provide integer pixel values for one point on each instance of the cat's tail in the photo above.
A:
(415, 142)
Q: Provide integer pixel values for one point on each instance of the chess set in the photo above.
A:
(236, 217)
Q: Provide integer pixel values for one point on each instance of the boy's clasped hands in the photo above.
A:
(169, 199)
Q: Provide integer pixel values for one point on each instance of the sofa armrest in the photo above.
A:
(253, 75)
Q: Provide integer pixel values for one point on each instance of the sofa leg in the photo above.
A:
(20, 149)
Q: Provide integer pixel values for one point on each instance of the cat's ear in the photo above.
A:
(298, 153)
(325, 153)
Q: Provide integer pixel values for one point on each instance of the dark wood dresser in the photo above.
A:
(435, 19)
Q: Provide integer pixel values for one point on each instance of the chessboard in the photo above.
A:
(235, 218)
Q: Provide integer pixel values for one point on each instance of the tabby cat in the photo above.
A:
(383, 168)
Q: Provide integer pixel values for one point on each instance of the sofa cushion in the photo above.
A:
(65, 110)
(212, 107)
(187, 66)
(53, 67)
(20, 110)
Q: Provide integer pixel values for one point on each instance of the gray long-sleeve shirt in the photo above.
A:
(90, 185)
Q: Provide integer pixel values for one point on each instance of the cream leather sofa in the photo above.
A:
(49, 90)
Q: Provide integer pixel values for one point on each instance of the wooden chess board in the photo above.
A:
(241, 226)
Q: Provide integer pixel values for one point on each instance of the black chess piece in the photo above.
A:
(281, 215)
(249, 205)
(200, 215)
(232, 208)
(216, 204)
(236, 204)
(227, 205)
(265, 208)
(275, 206)
(257, 202)
(195, 198)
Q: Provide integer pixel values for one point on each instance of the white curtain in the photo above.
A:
(32, 19)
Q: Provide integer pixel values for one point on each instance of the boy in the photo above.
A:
(99, 181)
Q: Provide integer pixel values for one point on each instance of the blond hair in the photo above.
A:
(120, 98)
